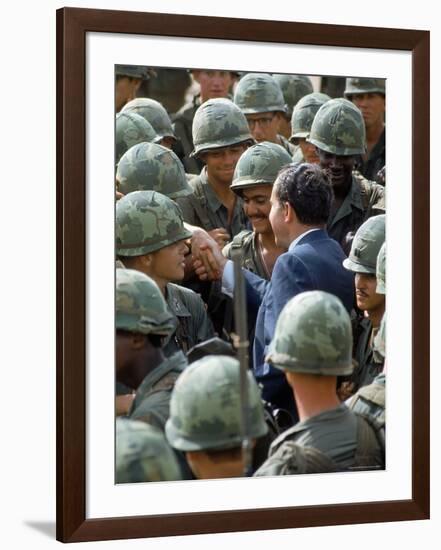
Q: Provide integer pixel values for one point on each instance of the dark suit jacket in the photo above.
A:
(314, 263)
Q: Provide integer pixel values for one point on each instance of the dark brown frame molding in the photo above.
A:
(72, 26)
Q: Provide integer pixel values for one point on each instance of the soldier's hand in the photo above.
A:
(123, 403)
(119, 195)
(203, 248)
(209, 255)
(220, 235)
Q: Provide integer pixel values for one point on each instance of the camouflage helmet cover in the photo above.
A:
(219, 123)
(143, 454)
(206, 410)
(259, 164)
(313, 335)
(132, 71)
(140, 305)
(154, 113)
(366, 246)
(304, 113)
(152, 167)
(130, 129)
(259, 93)
(356, 85)
(294, 87)
(338, 128)
(381, 270)
(147, 221)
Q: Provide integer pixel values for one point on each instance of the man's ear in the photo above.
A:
(289, 213)
(137, 341)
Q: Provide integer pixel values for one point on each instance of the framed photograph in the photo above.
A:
(90, 506)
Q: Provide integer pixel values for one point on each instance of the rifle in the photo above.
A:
(241, 343)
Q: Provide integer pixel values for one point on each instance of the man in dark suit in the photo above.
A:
(300, 207)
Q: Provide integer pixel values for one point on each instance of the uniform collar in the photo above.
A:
(175, 302)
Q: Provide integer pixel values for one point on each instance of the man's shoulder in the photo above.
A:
(372, 194)
(189, 297)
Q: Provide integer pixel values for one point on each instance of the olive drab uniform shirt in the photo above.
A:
(368, 366)
(182, 126)
(371, 401)
(364, 199)
(204, 209)
(247, 246)
(286, 144)
(193, 324)
(335, 434)
(375, 161)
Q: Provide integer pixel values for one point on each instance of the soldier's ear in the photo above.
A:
(137, 341)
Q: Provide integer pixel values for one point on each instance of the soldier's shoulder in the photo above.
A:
(190, 298)
(240, 241)
(372, 192)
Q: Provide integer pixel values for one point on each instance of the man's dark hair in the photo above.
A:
(306, 187)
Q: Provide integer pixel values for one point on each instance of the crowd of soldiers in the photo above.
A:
(258, 183)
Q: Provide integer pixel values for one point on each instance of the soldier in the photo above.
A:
(301, 122)
(157, 116)
(362, 261)
(221, 135)
(260, 99)
(339, 135)
(312, 345)
(369, 95)
(150, 237)
(294, 87)
(128, 80)
(143, 454)
(254, 176)
(206, 417)
(212, 84)
(131, 129)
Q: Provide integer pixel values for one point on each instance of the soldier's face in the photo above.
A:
(339, 167)
(213, 83)
(125, 90)
(257, 206)
(264, 126)
(365, 292)
(168, 142)
(222, 162)
(308, 151)
(168, 264)
(372, 107)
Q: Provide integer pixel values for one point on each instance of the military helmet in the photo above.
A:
(294, 87)
(380, 339)
(313, 335)
(355, 85)
(147, 221)
(143, 454)
(206, 408)
(381, 270)
(366, 245)
(219, 123)
(132, 71)
(152, 167)
(259, 164)
(130, 129)
(338, 128)
(140, 305)
(154, 113)
(304, 113)
(259, 93)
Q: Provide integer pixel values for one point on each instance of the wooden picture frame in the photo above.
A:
(72, 26)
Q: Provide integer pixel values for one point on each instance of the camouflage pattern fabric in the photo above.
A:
(205, 408)
(147, 221)
(151, 167)
(218, 123)
(140, 306)
(259, 93)
(338, 128)
(313, 335)
(294, 87)
(364, 199)
(132, 71)
(381, 270)
(304, 113)
(154, 113)
(366, 245)
(259, 164)
(356, 85)
(131, 129)
(192, 323)
(143, 454)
